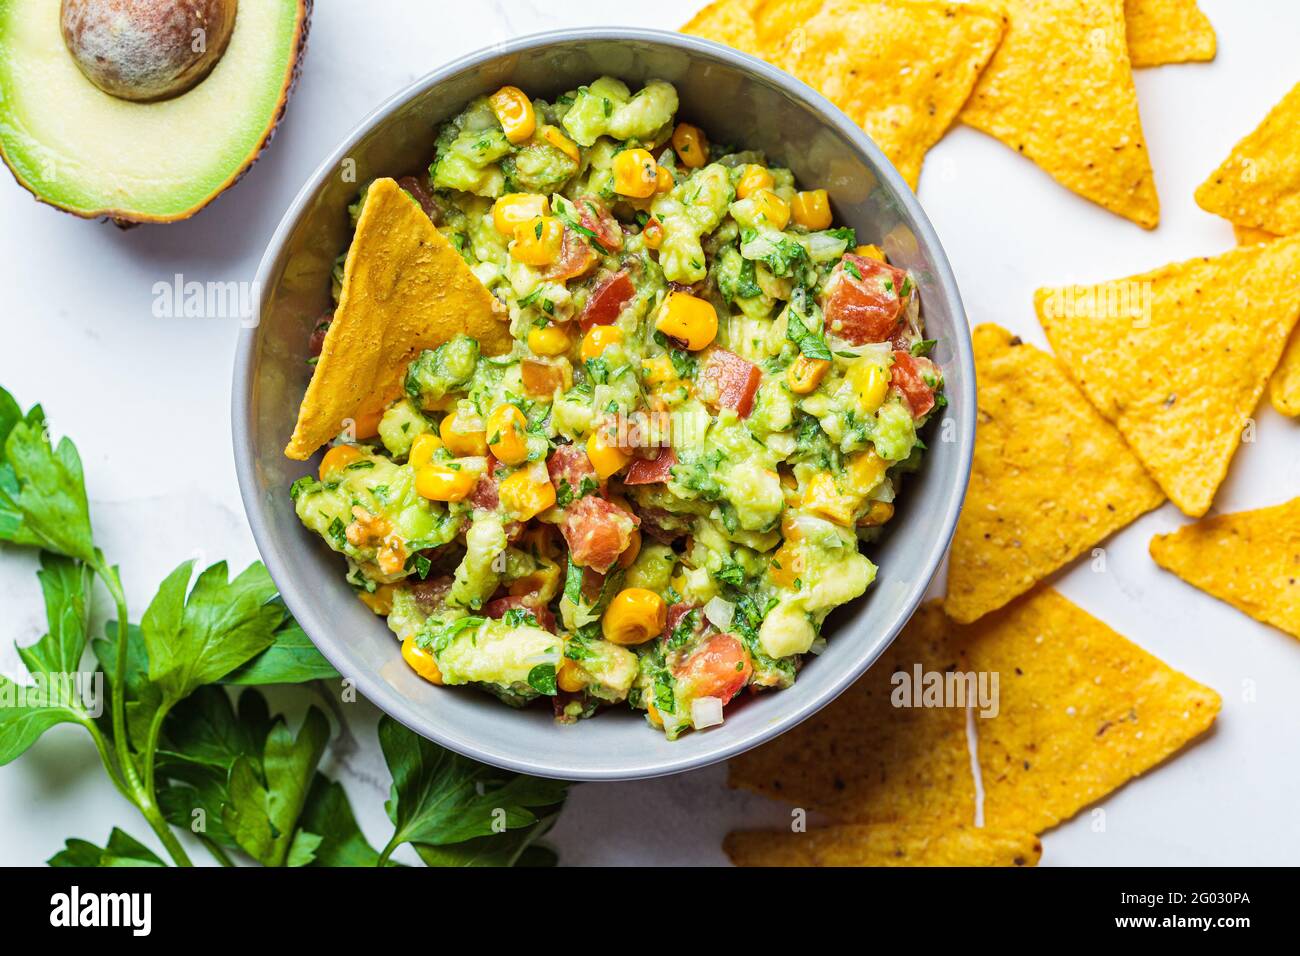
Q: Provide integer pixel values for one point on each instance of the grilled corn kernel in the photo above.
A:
(631, 551)
(658, 370)
(636, 174)
(653, 233)
(787, 565)
(752, 179)
(866, 470)
(380, 600)
(422, 449)
(553, 136)
(634, 617)
(877, 514)
(824, 499)
(773, 209)
(538, 241)
(514, 209)
(506, 431)
(689, 319)
(870, 383)
(664, 181)
(462, 443)
(690, 145)
(440, 483)
(812, 209)
(514, 112)
(527, 493)
(550, 340)
(607, 459)
(338, 458)
(570, 678)
(805, 374)
(598, 339)
(869, 252)
(421, 661)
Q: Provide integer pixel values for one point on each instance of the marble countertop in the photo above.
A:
(78, 334)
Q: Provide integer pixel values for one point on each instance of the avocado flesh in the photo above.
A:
(92, 154)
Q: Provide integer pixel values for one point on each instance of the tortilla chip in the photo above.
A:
(1060, 92)
(1081, 710)
(1168, 31)
(1178, 357)
(405, 288)
(1259, 183)
(1249, 236)
(1284, 386)
(1051, 478)
(884, 844)
(900, 69)
(863, 760)
(1250, 559)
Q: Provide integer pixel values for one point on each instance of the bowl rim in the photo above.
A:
(384, 697)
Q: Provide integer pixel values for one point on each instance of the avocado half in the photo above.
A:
(94, 155)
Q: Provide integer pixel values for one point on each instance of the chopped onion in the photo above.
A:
(706, 712)
(719, 612)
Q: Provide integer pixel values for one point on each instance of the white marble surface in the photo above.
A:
(77, 334)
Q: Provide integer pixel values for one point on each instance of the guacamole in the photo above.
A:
(656, 498)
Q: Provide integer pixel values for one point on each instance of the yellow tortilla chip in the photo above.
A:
(861, 759)
(1081, 710)
(1178, 357)
(1050, 479)
(405, 288)
(884, 844)
(1060, 92)
(1259, 183)
(1284, 386)
(900, 69)
(1250, 559)
(1249, 236)
(1168, 31)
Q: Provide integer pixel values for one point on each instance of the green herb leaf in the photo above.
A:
(43, 491)
(542, 679)
(122, 850)
(517, 847)
(292, 659)
(328, 814)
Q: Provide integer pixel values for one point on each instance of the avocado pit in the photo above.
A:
(147, 50)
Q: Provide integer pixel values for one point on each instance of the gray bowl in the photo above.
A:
(734, 98)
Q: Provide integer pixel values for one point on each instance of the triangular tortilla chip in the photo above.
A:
(1051, 478)
(1249, 235)
(1284, 386)
(1168, 31)
(405, 288)
(900, 69)
(1060, 92)
(884, 844)
(1178, 357)
(1081, 710)
(1259, 183)
(1250, 560)
(862, 759)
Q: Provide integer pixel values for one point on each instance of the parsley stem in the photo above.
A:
(214, 848)
(393, 844)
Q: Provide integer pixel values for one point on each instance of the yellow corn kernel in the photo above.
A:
(636, 174)
(812, 209)
(440, 483)
(877, 514)
(462, 443)
(422, 449)
(338, 458)
(599, 338)
(866, 470)
(787, 565)
(421, 661)
(752, 179)
(870, 252)
(691, 146)
(507, 438)
(653, 233)
(870, 383)
(688, 319)
(773, 209)
(570, 678)
(527, 493)
(805, 374)
(824, 499)
(631, 551)
(551, 340)
(514, 209)
(538, 241)
(568, 147)
(634, 617)
(514, 112)
(607, 459)
(652, 713)
(664, 181)
(380, 600)
(658, 370)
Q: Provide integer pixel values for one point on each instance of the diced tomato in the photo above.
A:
(498, 607)
(317, 340)
(541, 379)
(720, 667)
(866, 309)
(484, 494)
(678, 611)
(420, 193)
(908, 376)
(576, 258)
(729, 381)
(644, 471)
(429, 595)
(594, 216)
(569, 463)
(607, 300)
(597, 532)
